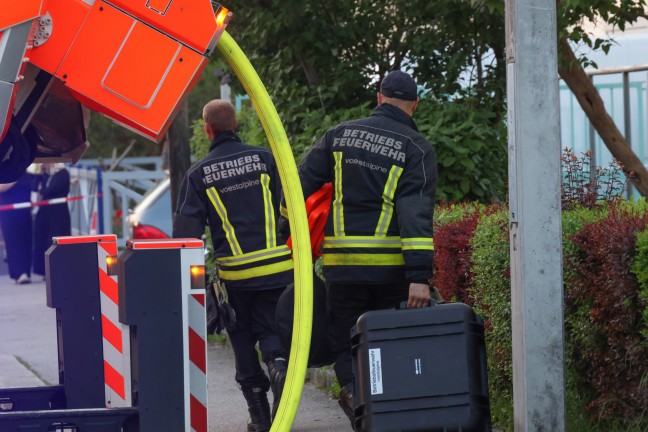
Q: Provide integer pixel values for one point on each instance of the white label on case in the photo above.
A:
(375, 371)
(418, 370)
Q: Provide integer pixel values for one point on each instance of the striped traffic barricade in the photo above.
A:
(162, 299)
(93, 346)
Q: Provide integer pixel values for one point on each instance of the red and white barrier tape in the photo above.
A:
(23, 205)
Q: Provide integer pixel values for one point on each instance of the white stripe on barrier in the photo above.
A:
(198, 384)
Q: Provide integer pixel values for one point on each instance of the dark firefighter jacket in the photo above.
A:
(384, 175)
(235, 190)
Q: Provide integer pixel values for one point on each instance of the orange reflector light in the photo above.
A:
(197, 276)
(222, 16)
(111, 265)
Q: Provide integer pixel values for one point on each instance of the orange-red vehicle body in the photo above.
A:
(131, 60)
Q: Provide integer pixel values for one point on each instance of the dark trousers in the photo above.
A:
(17, 232)
(347, 302)
(255, 322)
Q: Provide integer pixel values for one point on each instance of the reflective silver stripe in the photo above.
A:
(338, 210)
(227, 226)
(388, 200)
(419, 243)
(362, 242)
(270, 223)
(255, 256)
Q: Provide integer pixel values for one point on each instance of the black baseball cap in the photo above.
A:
(399, 85)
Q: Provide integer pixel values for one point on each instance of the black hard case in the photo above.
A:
(420, 370)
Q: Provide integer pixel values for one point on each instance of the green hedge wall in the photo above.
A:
(606, 296)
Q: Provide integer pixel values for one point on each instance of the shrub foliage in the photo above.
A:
(606, 293)
(609, 348)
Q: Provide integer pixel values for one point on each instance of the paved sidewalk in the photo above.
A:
(28, 357)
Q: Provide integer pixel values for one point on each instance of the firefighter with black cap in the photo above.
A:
(378, 245)
(236, 191)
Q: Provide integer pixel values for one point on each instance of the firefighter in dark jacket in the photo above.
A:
(378, 245)
(236, 191)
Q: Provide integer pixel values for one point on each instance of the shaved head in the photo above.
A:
(408, 106)
(219, 116)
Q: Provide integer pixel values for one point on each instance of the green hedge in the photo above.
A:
(606, 318)
(640, 269)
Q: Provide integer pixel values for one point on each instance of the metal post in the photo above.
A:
(75, 296)
(100, 202)
(162, 298)
(627, 125)
(535, 216)
(592, 146)
(96, 371)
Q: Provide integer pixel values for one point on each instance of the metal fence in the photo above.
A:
(108, 195)
(623, 90)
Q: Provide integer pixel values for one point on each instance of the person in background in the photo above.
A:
(236, 190)
(378, 246)
(17, 229)
(51, 220)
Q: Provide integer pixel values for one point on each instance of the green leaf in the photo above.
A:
(448, 161)
(468, 163)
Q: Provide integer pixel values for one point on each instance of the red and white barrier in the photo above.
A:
(179, 280)
(195, 324)
(115, 336)
(54, 201)
(116, 339)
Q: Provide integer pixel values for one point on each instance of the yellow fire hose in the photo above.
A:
(303, 318)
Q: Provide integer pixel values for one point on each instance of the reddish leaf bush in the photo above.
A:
(587, 186)
(452, 262)
(604, 293)
(454, 229)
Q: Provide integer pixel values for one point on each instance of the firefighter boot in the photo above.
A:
(259, 409)
(277, 369)
(346, 402)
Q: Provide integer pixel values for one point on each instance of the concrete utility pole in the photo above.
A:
(535, 216)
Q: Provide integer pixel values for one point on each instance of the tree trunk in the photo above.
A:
(179, 152)
(589, 99)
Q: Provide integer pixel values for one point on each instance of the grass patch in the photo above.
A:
(220, 339)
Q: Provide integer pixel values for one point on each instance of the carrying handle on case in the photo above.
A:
(403, 304)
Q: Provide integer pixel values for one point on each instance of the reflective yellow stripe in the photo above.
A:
(363, 259)
(418, 243)
(255, 256)
(270, 223)
(362, 242)
(338, 210)
(256, 271)
(283, 211)
(227, 226)
(388, 200)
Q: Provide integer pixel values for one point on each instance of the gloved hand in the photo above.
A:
(220, 314)
(213, 320)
